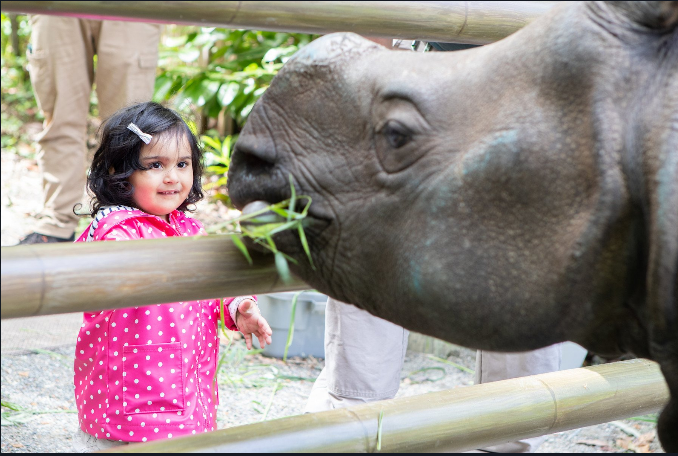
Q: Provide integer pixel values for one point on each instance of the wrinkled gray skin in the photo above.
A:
(503, 198)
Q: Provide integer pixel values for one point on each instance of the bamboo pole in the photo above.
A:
(452, 421)
(61, 278)
(457, 22)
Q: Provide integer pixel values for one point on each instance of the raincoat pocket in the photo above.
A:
(152, 378)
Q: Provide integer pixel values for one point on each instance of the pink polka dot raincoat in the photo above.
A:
(146, 373)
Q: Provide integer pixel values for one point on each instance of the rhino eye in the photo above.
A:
(396, 135)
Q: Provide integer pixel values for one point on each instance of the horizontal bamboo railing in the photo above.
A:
(60, 278)
(457, 22)
(452, 421)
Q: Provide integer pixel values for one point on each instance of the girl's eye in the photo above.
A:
(155, 165)
(182, 165)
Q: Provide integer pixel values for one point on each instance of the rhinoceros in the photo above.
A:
(505, 197)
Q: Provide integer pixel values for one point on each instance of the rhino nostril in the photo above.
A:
(255, 153)
(252, 162)
(254, 175)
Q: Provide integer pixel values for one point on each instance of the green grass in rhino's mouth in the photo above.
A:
(260, 221)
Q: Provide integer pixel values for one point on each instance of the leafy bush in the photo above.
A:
(219, 70)
(217, 161)
(18, 104)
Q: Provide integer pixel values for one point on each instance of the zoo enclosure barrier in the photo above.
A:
(51, 279)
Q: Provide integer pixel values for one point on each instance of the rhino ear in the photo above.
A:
(653, 15)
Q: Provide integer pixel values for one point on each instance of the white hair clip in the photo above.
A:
(146, 138)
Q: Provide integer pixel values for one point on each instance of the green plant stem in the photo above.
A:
(451, 363)
(290, 331)
(426, 369)
(270, 401)
(379, 424)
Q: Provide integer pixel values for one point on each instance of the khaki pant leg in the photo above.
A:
(493, 366)
(127, 57)
(364, 356)
(60, 71)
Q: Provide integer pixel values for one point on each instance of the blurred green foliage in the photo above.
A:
(18, 104)
(217, 160)
(220, 71)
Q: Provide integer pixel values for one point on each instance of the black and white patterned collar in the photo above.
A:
(103, 212)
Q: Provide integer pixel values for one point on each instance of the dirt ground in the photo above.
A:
(37, 354)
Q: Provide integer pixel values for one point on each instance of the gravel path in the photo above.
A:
(38, 382)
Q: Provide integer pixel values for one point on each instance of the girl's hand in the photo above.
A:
(249, 321)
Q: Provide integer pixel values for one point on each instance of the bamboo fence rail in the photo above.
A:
(451, 421)
(84, 277)
(456, 22)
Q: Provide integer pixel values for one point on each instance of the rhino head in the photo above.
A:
(505, 197)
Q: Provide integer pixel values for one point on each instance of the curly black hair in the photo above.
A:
(118, 155)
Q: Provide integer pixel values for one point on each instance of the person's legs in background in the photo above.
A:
(60, 61)
(127, 57)
(364, 357)
(62, 73)
(494, 366)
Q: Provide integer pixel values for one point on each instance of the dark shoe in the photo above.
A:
(37, 238)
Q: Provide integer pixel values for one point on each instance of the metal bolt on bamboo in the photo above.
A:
(457, 22)
(453, 420)
(60, 278)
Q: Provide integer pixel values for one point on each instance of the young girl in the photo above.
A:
(148, 372)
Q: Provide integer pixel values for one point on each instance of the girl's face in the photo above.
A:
(167, 181)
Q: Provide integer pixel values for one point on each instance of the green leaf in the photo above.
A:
(304, 244)
(451, 363)
(282, 267)
(11, 406)
(191, 36)
(207, 90)
(163, 86)
(290, 331)
(293, 198)
(192, 127)
(188, 54)
(380, 421)
(211, 142)
(250, 85)
(281, 212)
(217, 169)
(282, 227)
(241, 246)
(228, 92)
(174, 41)
(244, 112)
(223, 198)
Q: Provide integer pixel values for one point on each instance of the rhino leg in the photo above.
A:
(662, 18)
(667, 426)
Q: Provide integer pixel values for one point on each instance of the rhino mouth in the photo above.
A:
(250, 193)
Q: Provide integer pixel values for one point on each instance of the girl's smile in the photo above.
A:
(167, 179)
